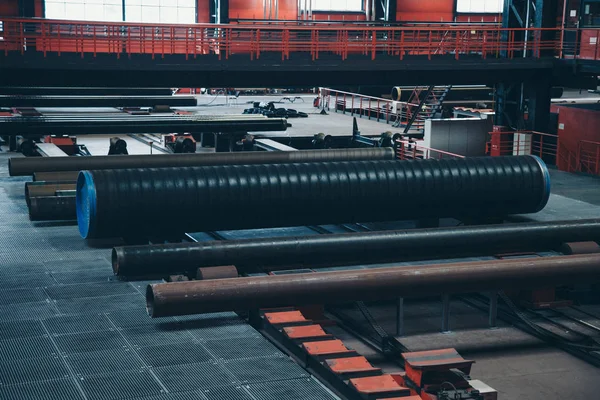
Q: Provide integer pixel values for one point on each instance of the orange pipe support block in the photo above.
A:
(288, 318)
(383, 386)
(327, 349)
(352, 367)
(306, 333)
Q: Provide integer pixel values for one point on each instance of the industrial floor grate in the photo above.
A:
(27, 311)
(70, 330)
(175, 396)
(135, 317)
(119, 385)
(28, 280)
(98, 305)
(16, 296)
(75, 265)
(23, 348)
(179, 378)
(174, 354)
(227, 393)
(156, 335)
(89, 341)
(67, 324)
(63, 389)
(265, 369)
(305, 389)
(32, 370)
(104, 362)
(224, 329)
(106, 289)
(83, 276)
(21, 329)
(230, 349)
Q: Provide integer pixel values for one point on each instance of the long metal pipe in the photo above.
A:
(197, 297)
(117, 203)
(96, 101)
(350, 248)
(127, 124)
(52, 208)
(22, 166)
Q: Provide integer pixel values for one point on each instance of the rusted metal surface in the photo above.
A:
(44, 189)
(574, 248)
(64, 176)
(197, 297)
(221, 272)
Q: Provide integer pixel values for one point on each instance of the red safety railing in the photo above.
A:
(413, 150)
(588, 157)
(359, 105)
(543, 145)
(124, 39)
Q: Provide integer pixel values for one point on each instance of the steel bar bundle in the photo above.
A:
(128, 124)
(95, 101)
(113, 203)
(22, 166)
(197, 297)
(350, 248)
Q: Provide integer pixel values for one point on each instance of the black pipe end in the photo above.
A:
(117, 252)
(150, 301)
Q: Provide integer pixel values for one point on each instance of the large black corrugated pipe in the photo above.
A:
(198, 297)
(140, 202)
(350, 248)
(26, 166)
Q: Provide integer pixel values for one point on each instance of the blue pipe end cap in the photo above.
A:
(85, 199)
(547, 183)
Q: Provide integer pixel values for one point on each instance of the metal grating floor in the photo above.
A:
(69, 330)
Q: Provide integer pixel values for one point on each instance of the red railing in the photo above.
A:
(543, 145)
(124, 39)
(413, 150)
(355, 104)
(588, 157)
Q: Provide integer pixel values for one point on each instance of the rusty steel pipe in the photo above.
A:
(65, 176)
(23, 166)
(576, 248)
(198, 297)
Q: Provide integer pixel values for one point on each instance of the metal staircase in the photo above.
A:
(424, 103)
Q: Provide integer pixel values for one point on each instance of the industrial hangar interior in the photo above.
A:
(299, 199)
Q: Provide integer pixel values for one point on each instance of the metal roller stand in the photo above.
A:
(197, 297)
(350, 248)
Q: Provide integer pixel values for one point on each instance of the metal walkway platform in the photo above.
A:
(70, 330)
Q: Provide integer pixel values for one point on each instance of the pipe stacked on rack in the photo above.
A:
(23, 166)
(350, 248)
(197, 297)
(129, 124)
(134, 202)
(64, 100)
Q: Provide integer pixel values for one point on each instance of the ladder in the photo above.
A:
(424, 103)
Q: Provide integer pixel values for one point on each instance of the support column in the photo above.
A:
(539, 93)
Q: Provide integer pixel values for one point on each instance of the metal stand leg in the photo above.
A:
(493, 310)
(445, 313)
(400, 317)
